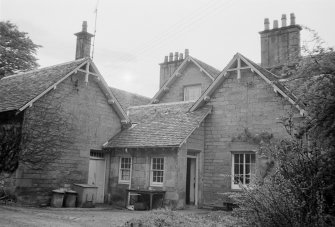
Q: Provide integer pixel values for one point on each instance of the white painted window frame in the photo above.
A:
(186, 91)
(120, 170)
(237, 186)
(152, 183)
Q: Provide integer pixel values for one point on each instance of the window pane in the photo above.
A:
(247, 168)
(125, 175)
(236, 179)
(236, 169)
(241, 168)
(247, 158)
(236, 158)
(247, 179)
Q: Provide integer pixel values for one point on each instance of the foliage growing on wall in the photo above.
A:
(258, 138)
(39, 138)
(300, 190)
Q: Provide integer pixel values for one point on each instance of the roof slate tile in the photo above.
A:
(159, 125)
(19, 89)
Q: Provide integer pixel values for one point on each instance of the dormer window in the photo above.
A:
(192, 92)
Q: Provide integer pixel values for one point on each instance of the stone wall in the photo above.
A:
(175, 161)
(68, 121)
(141, 161)
(191, 75)
(237, 104)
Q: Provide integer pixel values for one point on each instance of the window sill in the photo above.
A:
(157, 185)
(123, 182)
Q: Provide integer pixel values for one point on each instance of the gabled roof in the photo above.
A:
(208, 70)
(128, 99)
(239, 62)
(20, 91)
(159, 125)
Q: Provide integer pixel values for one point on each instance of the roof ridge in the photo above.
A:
(130, 92)
(162, 104)
(47, 67)
(277, 77)
(206, 64)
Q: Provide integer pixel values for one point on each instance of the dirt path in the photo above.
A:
(22, 216)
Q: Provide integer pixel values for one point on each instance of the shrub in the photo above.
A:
(297, 191)
(167, 218)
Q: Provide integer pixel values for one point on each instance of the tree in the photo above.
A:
(299, 190)
(314, 79)
(17, 50)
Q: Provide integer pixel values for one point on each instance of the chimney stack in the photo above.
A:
(170, 64)
(83, 47)
(280, 46)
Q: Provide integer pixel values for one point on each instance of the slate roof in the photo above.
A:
(127, 99)
(274, 79)
(159, 125)
(210, 69)
(19, 89)
(268, 76)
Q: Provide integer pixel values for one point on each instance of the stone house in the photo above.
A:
(186, 140)
(68, 110)
(212, 158)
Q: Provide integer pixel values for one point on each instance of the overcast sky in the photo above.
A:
(132, 37)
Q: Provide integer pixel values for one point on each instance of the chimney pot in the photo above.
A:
(176, 54)
(84, 29)
(181, 56)
(187, 52)
(171, 57)
(266, 24)
(275, 24)
(166, 58)
(283, 20)
(292, 16)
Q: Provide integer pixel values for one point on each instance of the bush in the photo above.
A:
(297, 191)
(167, 218)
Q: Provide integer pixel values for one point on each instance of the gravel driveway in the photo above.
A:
(24, 216)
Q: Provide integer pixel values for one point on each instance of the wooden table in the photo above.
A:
(151, 193)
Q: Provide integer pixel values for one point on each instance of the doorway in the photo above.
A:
(96, 175)
(191, 181)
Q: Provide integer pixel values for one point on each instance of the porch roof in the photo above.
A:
(159, 125)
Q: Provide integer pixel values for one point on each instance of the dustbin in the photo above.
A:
(70, 198)
(57, 198)
(87, 194)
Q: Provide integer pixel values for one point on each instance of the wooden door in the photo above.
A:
(96, 176)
